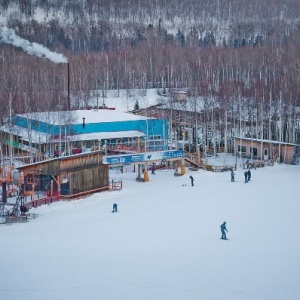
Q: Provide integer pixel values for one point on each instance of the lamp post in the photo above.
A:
(39, 182)
(51, 189)
(32, 197)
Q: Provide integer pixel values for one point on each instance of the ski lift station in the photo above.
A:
(68, 154)
(62, 133)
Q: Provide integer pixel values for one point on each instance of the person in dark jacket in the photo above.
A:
(249, 175)
(232, 176)
(223, 230)
(153, 168)
(246, 176)
(192, 180)
(115, 207)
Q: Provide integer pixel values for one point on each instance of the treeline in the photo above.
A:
(253, 72)
(251, 75)
(91, 25)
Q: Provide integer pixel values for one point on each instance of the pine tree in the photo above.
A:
(136, 105)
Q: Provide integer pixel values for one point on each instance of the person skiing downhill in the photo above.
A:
(223, 230)
(192, 180)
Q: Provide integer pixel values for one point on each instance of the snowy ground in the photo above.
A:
(164, 243)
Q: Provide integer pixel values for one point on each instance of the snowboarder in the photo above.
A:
(246, 176)
(223, 229)
(115, 207)
(249, 175)
(232, 176)
(192, 180)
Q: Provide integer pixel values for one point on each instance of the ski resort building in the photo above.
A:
(265, 150)
(71, 132)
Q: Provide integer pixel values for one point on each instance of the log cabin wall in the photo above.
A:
(86, 179)
(77, 173)
(77, 162)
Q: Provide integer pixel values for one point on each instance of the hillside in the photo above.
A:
(91, 25)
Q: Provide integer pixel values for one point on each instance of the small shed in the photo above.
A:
(67, 176)
(180, 96)
(265, 149)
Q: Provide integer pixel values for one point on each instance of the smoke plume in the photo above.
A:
(9, 36)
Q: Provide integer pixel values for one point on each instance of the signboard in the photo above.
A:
(142, 157)
(13, 143)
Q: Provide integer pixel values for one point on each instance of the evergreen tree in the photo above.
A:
(136, 105)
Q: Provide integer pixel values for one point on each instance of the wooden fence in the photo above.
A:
(41, 201)
(114, 185)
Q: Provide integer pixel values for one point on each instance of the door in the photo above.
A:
(266, 157)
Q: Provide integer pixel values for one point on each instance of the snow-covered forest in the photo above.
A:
(241, 57)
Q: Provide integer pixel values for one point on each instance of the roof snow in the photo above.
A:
(77, 116)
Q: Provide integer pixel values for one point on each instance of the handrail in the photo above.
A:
(41, 201)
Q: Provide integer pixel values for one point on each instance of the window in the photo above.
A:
(253, 151)
(32, 180)
(155, 137)
(242, 149)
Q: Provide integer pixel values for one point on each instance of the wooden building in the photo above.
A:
(265, 149)
(66, 176)
(180, 96)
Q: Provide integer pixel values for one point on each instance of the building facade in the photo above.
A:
(265, 150)
(71, 132)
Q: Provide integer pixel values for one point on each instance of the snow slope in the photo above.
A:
(124, 100)
(163, 244)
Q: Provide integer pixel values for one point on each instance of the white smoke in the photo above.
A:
(9, 36)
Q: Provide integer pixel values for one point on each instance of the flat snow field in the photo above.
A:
(164, 242)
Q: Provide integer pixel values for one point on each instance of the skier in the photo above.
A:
(249, 175)
(192, 180)
(223, 229)
(246, 176)
(115, 207)
(232, 176)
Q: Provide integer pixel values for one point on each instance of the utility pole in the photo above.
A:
(10, 134)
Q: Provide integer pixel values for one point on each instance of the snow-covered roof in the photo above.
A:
(105, 115)
(265, 141)
(106, 135)
(40, 138)
(36, 137)
(76, 116)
